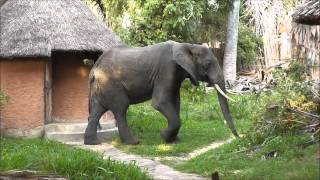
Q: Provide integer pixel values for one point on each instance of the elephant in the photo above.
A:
(123, 76)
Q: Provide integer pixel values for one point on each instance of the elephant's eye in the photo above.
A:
(206, 65)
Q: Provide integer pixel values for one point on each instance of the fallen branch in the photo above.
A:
(307, 114)
(317, 131)
(295, 121)
(313, 125)
(238, 92)
(28, 174)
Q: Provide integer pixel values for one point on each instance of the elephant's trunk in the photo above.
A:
(225, 109)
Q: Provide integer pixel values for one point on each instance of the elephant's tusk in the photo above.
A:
(221, 92)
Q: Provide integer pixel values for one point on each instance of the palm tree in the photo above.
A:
(230, 52)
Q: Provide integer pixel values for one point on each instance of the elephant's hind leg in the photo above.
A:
(119, 110)
(124, 131)
(96, 111)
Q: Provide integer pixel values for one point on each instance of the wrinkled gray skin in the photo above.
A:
(124, 76)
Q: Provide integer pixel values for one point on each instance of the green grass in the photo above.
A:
(293, 161)
(53, 157)
(202, 124)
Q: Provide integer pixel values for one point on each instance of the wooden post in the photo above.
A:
(48, 91)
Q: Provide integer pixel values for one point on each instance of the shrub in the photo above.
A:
(286, 106)
(193, 93)
(248, 45)
(3, 98)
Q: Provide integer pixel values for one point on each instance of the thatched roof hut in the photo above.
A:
(306, 37)
(35, 28)
(308, 13)
(43, 44)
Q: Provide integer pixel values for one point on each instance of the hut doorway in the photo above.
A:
(69, 88)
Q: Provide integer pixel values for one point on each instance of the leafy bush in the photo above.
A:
(145, 22)
(296, 71)
(3, 98)
(248, 45)
(193, 93)
(155, 21)
(286, 106)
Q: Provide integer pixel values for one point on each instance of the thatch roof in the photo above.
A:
(308, 13)
(33, 28)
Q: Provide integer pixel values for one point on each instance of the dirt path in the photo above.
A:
(152, 165)
(157, 170)
(196, 152)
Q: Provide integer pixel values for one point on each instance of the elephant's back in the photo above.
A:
(126, 68)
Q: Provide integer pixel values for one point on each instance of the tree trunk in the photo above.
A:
(230, 53)
(101, 8)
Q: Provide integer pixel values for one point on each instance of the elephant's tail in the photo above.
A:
(91, 80)
(90, 101)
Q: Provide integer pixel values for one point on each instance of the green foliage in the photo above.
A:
(291, 4)
(291, 91)
(3, 98)
(296, 71)
(271, 127)
(263, 120)
(154, 21)
(294, 86)
(157, 21)
(248, 45)
(88, 62)
(52, 157)
(193, 93)
(115, 10)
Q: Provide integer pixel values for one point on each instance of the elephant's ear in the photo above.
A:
(182, 55)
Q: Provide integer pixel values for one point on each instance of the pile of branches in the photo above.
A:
(249, 84)
(296, 107)
(291, 102)
(286, 118)
(256, 80)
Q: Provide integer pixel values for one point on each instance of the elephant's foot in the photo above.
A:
(130, 141)
(168, 136)
(91, 140)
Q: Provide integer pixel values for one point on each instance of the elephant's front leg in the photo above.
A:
(170, 109)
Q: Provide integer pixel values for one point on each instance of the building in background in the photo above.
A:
(306, 37)
(42, 50)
